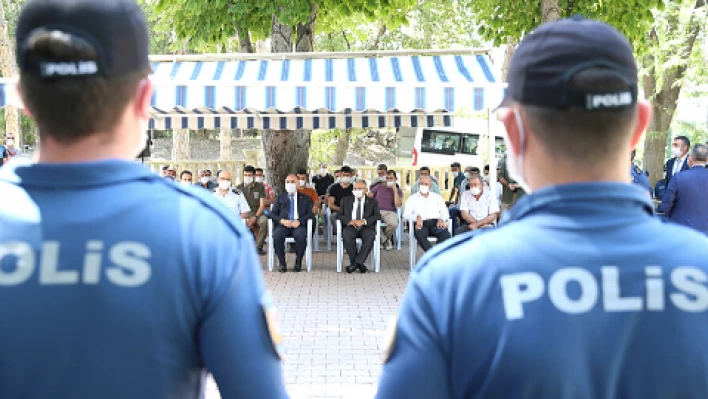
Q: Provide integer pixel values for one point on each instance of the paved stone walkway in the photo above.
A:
(334, 324)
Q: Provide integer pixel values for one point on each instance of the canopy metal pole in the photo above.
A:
(492, 156)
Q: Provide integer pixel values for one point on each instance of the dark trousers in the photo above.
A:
(454, 213)
(281, 233)
(430, 229)
(349, 236)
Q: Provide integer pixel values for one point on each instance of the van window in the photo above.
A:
(499, 146)
(471, 145)
(440, 142)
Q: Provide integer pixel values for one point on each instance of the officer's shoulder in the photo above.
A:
(455, 252)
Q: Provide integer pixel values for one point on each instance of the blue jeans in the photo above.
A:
(454, 211)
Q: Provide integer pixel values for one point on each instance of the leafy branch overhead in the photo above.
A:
(209, 22)
(500, 21)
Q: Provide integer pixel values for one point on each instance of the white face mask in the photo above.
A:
(515, 163)
(248, 179)
(204, 180)
(290, 187)
(302, 183)
(345, 180)
(12, 142)
(186, 183)
(224, 184)
(323, 171)
(468, 175)
(338, 180)
(390, 183)
(358, 193)
(676, 152)
(455, 174)
(259, 179)
(475, 191)
(424, 189)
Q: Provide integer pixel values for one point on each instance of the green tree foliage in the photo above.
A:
(215, 22)
(431, 24)
(500, 21)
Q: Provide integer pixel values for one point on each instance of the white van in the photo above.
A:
(442, 146)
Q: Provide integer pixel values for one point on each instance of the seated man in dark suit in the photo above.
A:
(290, 214)
(359, 215)
(685, 199)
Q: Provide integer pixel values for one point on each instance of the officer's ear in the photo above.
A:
(508, 118)
(644, 113)
(143, 98)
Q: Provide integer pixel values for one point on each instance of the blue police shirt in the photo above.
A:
(583, 294)
(639, 177)
(115, 283)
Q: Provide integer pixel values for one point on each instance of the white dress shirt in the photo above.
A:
(678, 164)
(432, 207)
(499, 191)
(236, 202)
(479, 209)
(359, 202)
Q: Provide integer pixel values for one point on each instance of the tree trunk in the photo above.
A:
(343, 140)
(379, 36)
(225, 137)
(180, 145)
(508, 54)
(281, 37)
(286, 151)
(306, 33)
(665, 98)
(244, 39)
(550, 10)
(8, 66)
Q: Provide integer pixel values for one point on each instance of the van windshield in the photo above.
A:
(449, 143)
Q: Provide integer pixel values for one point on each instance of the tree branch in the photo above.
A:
(346, 40)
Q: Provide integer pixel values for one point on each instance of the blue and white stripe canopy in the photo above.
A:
(322, 93)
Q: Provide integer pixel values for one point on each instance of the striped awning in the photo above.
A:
(323, 93)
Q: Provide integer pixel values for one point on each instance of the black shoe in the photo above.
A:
(261, 251)
(350, 269)
(298, 266)
(362, 269)
(283, 268)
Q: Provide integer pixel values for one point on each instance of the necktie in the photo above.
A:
(358, 210)
(291, 209)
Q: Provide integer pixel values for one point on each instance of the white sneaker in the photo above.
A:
(389, 246)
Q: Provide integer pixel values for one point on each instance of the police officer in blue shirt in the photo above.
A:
(115, 283)
(639, 177)
(583, 293)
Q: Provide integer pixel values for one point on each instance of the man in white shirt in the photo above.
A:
(233, 199)
(499, 185)
(478, 207)
(430, 214)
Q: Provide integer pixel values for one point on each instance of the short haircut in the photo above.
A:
(346, 169)
(475, 169)
(486, 167)
(249, 169)
(360, 181)
(581, 134)
(382, 167)
(685, 140)
(337, 171)
(68, 110)
(455, 165)
(185, 172)
(218, 172)
(258, 170)
(208, 171)
(164, 168)
(699, 153)
(391, 172)
(425, 168)
(478, 178)
(302, 171)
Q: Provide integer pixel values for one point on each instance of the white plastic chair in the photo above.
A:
(374, 257)
(317, 234)
(289, 240)
(413, 244)
(399, 229)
